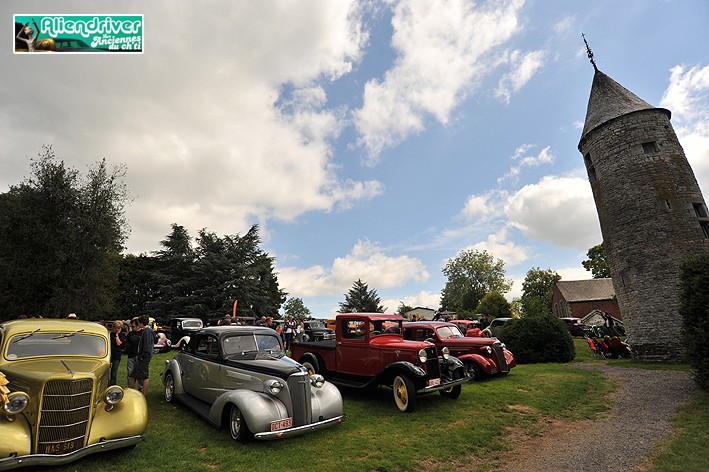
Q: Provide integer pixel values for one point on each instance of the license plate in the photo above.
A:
(64, 447)
(433, 382)
(281, 424)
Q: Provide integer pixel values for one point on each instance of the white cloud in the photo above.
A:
(556, 209)
(525, 160)
(485, 206)
(444, 48)
(524, 67)
(687, 96)
(423, 299)
(221, 122)
(500, 246)
(367, 261)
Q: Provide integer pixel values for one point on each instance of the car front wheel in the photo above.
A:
(475, 372)
(404, 393)
(169, 387)
(237, 425)
(312, 366)
(452, 392)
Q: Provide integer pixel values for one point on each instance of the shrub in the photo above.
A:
(538, 339)
(694, 310)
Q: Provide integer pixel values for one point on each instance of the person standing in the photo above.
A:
(131, 346)
(141, 371)
(117, 341)
(289, 331)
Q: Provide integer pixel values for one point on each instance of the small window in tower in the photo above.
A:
(700, 210)
(650, 147)
(705, 228)
(669, 205)
(592, 174)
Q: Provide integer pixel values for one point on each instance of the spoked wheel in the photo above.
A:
(452, 392)
(475, 372)
(404, 393)
(237, 425)
(169, 387)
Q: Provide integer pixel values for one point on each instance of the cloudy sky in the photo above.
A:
(369, 140)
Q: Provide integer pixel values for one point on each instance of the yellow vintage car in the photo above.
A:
(56, 403)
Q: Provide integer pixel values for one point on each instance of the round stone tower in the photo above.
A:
(650, 208)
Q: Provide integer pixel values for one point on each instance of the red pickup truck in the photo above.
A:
(482, 357)
(369, 350)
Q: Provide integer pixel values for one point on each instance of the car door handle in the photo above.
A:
(190, 361)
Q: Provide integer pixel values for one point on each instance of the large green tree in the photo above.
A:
(295, 307)
(360, 299)
(596, 262)
(60, 236)
(494, 305)
(471, 275)
(537, 291)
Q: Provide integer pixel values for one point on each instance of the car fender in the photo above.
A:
(129, 417)
(174, 367)
(485, 363)
(15, 436)
(258, 409)
(386, 376)
(451, 365)
(310, 357)
(326, 402)
(510, 358)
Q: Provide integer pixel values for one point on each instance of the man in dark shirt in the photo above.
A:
(131, 347)
(141, 371)
(117, 340)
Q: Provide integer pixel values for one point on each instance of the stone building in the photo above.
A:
(651, 211)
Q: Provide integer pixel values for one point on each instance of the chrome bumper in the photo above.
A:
(52, 459)
(450, 384)
(298, 430)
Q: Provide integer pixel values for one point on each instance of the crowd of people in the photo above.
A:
(137, 342)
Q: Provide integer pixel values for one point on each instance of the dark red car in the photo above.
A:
(482, 357)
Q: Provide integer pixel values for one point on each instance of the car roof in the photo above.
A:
(52, 324)
(237, 329)
(373, 316)
(413, 324)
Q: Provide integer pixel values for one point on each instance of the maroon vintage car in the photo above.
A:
(370, 350)
(469, 328)
(482, 357)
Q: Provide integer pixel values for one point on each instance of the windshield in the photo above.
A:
(385, 327)
(447, 332)
(55, 344)
(196, 324)
(314, 324)
(249, 343)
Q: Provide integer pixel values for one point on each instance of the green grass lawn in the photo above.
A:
(471, 432)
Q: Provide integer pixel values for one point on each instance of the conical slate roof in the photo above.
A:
(609, 100)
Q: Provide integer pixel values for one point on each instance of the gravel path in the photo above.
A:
(645, 403)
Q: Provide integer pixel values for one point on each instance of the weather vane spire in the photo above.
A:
(589, 52)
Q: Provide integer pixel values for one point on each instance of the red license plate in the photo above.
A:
(281, 424)
(433, 382)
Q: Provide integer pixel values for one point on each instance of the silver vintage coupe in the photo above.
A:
(240, 376)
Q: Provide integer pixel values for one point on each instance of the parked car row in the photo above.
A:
(58, 406)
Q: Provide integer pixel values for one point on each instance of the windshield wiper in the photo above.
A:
(26, 336)
(68, 335)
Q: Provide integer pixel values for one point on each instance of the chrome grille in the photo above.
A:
(299, 388)
(64, 417)
(433, 368)
(500, 353)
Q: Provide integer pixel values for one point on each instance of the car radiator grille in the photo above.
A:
(299, 388)
(433, 369)
(64, 417)
(500, 353)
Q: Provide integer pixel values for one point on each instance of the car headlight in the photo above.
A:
(503, 346)
(317, 380)
(113, 395)
(16, 402)
(488, 349)
(274, 386)
(423, 357)
(446, 353)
